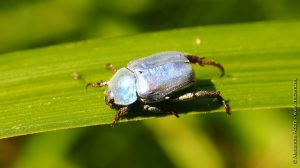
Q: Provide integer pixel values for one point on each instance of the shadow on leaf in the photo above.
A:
(201, 105)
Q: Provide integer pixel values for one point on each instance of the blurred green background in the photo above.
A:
(247, 139)
(32, 23)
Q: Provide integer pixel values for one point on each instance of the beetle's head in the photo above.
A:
(121, 88)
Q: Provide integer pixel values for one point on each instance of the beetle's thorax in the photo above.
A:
(122, 88)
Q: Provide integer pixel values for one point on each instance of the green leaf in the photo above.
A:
(38, 94)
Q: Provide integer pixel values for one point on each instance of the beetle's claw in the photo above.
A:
(174, 113)
(221, 69)
(217, 65)
(114, 123)
(86, 86)
(227, 107)
(222, 74)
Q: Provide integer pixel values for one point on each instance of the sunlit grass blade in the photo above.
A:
(38, 93)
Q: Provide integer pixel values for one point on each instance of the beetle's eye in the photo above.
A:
(109, 97)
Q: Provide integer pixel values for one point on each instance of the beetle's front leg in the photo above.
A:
(156, 109)
(121, 112)
(203, 61)
(97, 84)
(203, 93)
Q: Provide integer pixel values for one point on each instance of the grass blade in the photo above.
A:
(38, 94)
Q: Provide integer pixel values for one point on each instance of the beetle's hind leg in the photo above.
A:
(101, 83)
(156, 109)
(203, 93)
(110, 66)
(203, 61)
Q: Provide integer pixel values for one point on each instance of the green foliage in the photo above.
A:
(38, 94)
(31, 23)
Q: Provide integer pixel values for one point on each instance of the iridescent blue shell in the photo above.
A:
(160, 75)
(151, 79)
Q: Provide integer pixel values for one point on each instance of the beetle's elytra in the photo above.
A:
(153, 79)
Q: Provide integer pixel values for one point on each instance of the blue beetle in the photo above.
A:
(154, 79)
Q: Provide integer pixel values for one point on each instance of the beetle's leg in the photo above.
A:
(110, 66)
(203, 61)
(156, 109)
(203, 93)
(97, 84)
(122, 111)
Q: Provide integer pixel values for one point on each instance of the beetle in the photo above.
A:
(154, 79)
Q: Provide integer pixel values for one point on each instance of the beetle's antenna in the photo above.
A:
(110, 66)
(203, 61)
(96, 85)
(77, 76)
